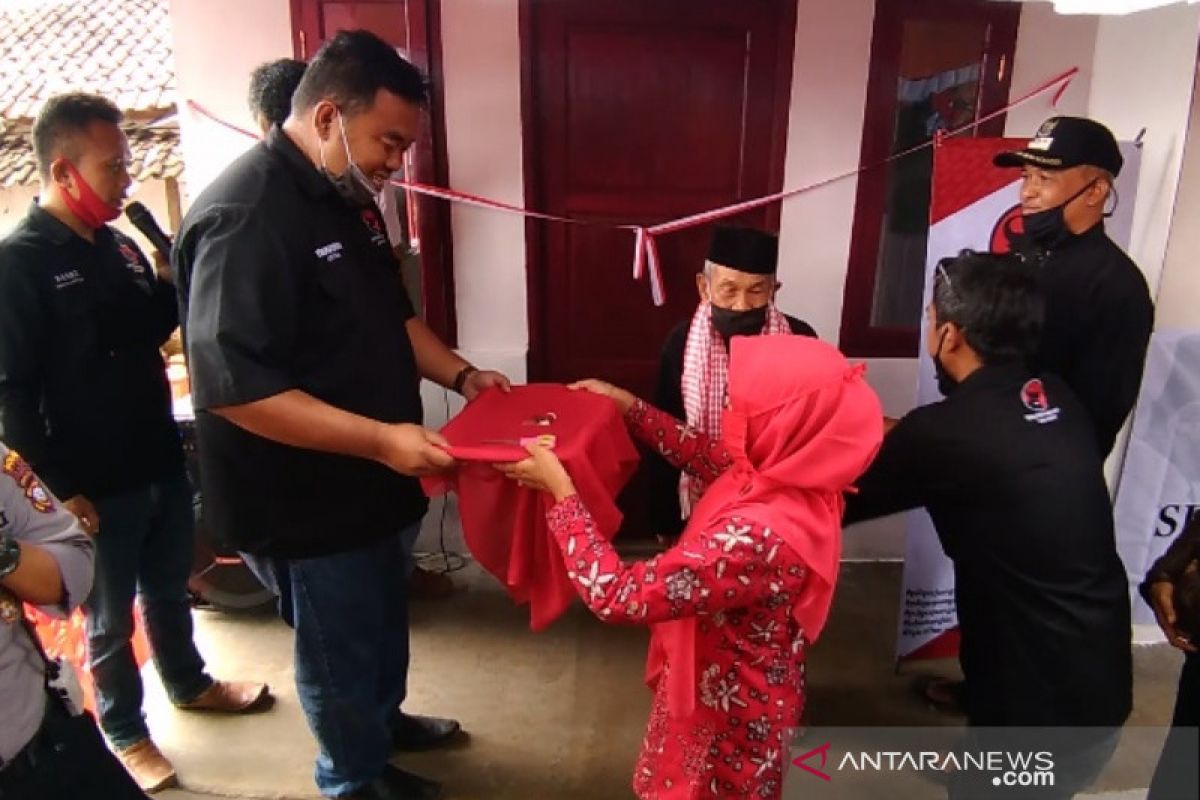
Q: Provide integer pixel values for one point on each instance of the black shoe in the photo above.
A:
(396, 784)
(412, 732)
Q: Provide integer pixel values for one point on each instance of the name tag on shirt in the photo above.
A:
(67, 279)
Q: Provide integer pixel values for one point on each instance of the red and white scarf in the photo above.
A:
(705, 384)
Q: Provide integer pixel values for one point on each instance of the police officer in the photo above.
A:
(1099, 315)
(1008, 468)
(306, 358)
(84, 395)
(47, 750)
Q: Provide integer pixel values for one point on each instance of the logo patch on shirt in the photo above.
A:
(68, 278)
(21, 473)
(1033, 395)
(131, 258)
(374, 223)
(330, 252)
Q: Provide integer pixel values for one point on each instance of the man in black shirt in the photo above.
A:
(737, 289)
(1008, 469)
(305, 359)
(84, 397)
(1099, 314)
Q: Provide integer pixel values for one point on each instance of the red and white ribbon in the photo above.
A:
(645, 247)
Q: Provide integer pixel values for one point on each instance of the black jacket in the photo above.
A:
(1099, 317)
(83, 389)
(1015, 487)
(668, 396)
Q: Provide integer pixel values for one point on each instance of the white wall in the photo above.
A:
(1049, 44)
(217, 44)
(481, 52)
(14, 202)
(1142, 77)
(1179, 293)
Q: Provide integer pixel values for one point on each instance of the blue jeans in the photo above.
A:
(145, 549)
(408, 541)
(350, 613)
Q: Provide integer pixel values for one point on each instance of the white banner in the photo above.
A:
(1159, 490)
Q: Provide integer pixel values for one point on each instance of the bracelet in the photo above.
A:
(461, 378)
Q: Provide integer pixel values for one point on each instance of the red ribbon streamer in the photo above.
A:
(645, 253)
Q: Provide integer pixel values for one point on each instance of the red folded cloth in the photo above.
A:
(504, 524)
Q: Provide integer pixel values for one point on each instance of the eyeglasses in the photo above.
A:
(945, 276)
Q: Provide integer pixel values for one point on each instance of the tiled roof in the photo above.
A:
(118, 48)
(155, 150)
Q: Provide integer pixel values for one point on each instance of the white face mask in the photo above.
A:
(352, 184)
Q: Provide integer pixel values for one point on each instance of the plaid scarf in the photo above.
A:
(705, 385)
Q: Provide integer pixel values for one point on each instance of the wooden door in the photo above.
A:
(639, 112)
(413, 27)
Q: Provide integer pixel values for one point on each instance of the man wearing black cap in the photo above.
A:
(737, 298)
(1098, 309)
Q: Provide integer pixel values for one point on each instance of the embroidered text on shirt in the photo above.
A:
(330, 252)
(68, 278)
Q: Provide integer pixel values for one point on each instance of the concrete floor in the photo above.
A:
(560, 714)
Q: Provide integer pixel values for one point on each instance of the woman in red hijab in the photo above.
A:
(734, 605)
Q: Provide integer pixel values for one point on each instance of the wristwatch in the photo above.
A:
(10, 555)
(461, 378)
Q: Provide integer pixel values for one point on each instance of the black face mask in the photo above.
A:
(730, 323)
(1048, 228)
(945, 381)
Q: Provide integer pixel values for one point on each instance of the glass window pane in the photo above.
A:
(938, 89)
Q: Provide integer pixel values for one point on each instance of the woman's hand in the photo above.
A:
(622, 398)
(542, 471)
(1162, 600)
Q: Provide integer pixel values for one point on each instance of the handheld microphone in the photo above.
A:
(143, 220)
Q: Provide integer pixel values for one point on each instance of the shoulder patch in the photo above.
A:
(1033, 396)
(22, 474)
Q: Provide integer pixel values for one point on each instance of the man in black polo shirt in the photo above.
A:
(305, 357)
(1099, 314)
(1008, 469)
(84, 397)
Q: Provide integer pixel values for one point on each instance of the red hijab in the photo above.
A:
(802, 425)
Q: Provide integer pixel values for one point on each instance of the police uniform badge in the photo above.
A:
(10, 608)
(37, 494)
(1044, 137)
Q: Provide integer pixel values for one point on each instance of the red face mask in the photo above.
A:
(88, 208)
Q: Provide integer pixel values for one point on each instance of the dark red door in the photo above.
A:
(639, 112)
(412, 26)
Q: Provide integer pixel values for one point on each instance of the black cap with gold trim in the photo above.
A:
(1064, 142)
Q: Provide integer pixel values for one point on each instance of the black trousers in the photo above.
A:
(1175, 776)
(66, 760)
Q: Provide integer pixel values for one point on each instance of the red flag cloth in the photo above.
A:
(504, 524)
(67, 639)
